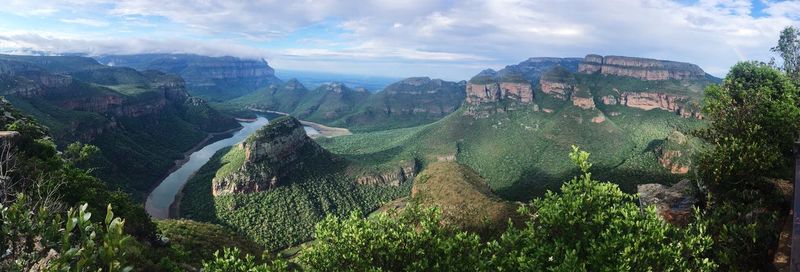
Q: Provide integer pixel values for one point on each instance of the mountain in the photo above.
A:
(508, 140)
(514, 132)
(214, 78)
(142, 121)
(281, 180)
(330, 102)
(406, 103)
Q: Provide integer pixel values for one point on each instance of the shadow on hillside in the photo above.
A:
(536, 182)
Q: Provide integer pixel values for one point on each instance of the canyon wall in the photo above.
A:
(641, 68)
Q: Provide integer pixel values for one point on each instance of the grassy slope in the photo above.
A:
(463, 197)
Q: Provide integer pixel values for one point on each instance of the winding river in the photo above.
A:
(161, 198)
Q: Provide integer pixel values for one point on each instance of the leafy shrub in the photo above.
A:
(593, 226)
(413, 241)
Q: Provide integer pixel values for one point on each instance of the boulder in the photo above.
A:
(674, 204)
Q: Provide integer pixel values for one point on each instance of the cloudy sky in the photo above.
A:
(451, 39)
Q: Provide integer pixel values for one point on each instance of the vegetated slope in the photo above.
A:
(277, 184)
(409, 102)
(194, 241)
(515, 133)
(464, 198)
(214, 78)
(142, 121)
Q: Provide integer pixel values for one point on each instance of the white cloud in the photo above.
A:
(427, 33)
(86, 22)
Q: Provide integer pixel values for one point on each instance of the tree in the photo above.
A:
(413, 240)
(753, 119)
(594, 226)
(230, 261)
(788, 49)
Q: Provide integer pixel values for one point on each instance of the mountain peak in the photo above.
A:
(269, 157)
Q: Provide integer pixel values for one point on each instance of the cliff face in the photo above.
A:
(271, 155)
(214, 77)
(494, 92)
(641, 68)
(682, 105)
(394, 177)
(514, 84)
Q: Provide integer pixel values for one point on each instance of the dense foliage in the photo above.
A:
(753, 119)
(414, 240)
(593, 226)
(286, 215)
(589, 226)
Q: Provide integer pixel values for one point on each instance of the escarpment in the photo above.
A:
(395, 176)
(641, 68)
(212, 77)
(269, 157)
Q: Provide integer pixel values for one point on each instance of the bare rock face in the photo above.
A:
(494, 92)
(673, 204)
(585, 103)
(271, 155)
(558, 90)
(641, 68)
(675, 153)
(482, 98)
(406, 171)
(679, 104)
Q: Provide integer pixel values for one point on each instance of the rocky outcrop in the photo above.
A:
(406, 171)
(675, 153)
(641, 68)
(667, 159)
(271, 155)
(673, 204)
(585, 103)
(494, 92)
(559, 90)
(680, 104)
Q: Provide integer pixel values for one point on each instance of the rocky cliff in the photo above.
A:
(512, 85)
(406, 171)
(272, 154)
(213, 77)
(641, 68)
(682, 105)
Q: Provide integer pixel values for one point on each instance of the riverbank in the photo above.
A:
(324, 131)
(210, 138)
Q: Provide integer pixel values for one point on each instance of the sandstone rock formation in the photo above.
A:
(559, 90)
(641, 68)
(271, 154)
(680, 104)
(494, 92)
(675, 153)
(214, 76)
(673, 204)
(394, 177)
(585, 103)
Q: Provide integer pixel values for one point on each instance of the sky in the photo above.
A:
(449, 39)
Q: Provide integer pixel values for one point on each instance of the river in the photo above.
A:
(161, 198)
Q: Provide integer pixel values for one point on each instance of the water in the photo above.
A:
(159, 200)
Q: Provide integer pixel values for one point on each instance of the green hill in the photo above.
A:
(407, 103)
